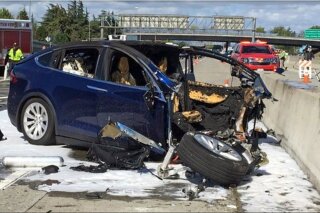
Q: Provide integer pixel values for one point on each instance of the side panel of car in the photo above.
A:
(126, 103)
(21, 79)
(75, 104)
(76, 82)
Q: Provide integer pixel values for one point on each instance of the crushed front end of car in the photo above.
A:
(206, 123)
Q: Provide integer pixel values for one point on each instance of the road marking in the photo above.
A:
(11, 179)
(2, 98)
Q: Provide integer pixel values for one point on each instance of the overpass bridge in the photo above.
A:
(193, 28)
(276, 40)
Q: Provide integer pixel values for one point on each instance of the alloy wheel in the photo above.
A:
(35, 121)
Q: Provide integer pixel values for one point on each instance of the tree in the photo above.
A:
(315, 27)
(4, 13)
(260, 30)
(40, 33)
(23, 15)
(282, 31)
(109, 22)
(95, 27)
(72, 24)
(78, 21)
(55, 22)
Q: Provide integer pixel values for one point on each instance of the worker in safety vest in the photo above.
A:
(14, 55)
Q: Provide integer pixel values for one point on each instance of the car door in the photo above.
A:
(75, 101)
(126, 104)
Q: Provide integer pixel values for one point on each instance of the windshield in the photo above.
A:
(256, 49)
(246, 76)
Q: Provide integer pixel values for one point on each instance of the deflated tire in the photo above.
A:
(213, 158)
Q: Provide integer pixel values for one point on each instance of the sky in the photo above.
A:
(276, 187)
(298, 15)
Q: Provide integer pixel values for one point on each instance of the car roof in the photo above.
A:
(114, 43)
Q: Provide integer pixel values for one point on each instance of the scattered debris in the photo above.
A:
(101, 168)
(210, 99)
(32, 161)
(2, 138)
(121, 147)
(50, 169)
(192, 192)
(49, 182)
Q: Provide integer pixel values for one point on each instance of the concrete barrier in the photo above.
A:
(296, 117)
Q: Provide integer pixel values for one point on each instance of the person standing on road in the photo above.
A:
(14, 56)
(283, 57)
(307, 54)
(305, 65)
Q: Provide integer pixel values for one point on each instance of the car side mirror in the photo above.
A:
(149, 96)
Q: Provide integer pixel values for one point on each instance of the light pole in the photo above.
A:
(254, 30)
(102, 28)
(29, 9)
(89, 31)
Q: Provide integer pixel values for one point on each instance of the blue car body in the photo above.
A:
(82, 106)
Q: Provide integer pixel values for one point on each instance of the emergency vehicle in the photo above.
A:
(14, 31)
(256, 56)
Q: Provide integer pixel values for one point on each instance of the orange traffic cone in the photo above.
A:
(306, 78)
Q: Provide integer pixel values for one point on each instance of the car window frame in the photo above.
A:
(256, 46)
(107, 61)
(63, 52)
(53, 53)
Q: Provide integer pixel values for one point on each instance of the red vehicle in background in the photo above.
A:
(256, 56)
(14, 30)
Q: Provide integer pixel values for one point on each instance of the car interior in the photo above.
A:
(135, 70)
(80, 61)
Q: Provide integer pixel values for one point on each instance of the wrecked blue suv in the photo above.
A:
(69, 94)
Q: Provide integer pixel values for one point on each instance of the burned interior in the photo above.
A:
(200, 106)
(211, 115)
(134, 101)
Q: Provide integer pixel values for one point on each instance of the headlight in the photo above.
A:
(245, 60)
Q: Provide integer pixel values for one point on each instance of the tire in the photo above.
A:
(37, 122)
(224, 168)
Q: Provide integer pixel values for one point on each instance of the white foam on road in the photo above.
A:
(278, 186)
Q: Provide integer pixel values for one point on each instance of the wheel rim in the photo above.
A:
(35, 121)
(218, 147)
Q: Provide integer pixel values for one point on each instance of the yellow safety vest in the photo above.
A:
(15, 56)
